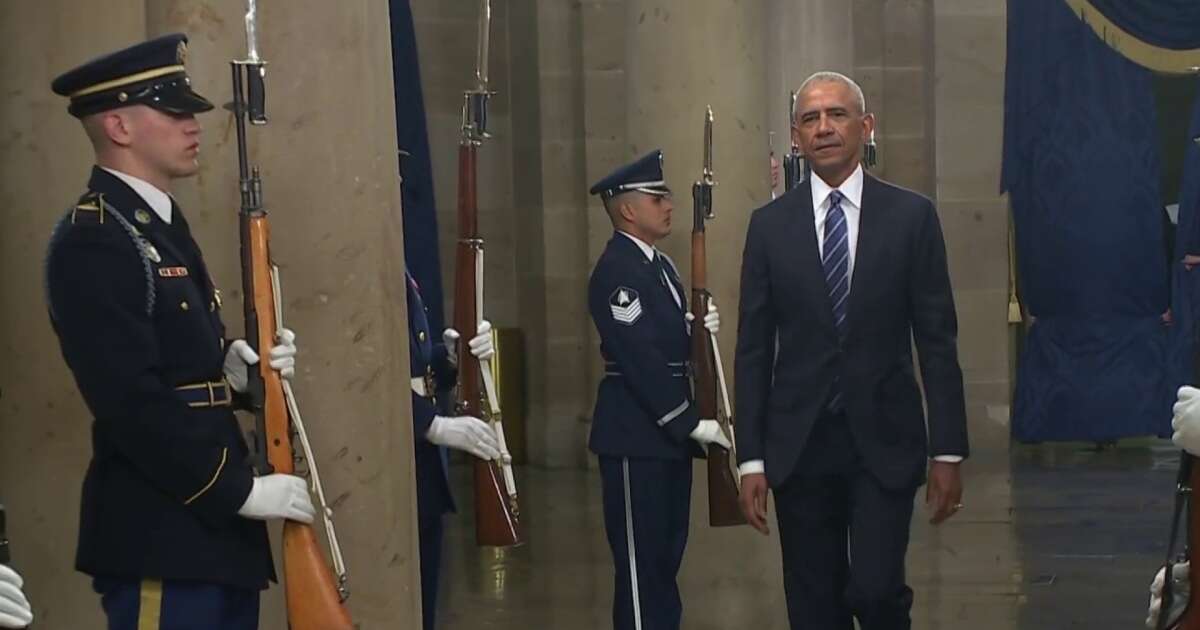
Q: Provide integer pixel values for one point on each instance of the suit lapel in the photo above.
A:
(868, 253)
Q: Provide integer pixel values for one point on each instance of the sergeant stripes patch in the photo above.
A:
(626, 306)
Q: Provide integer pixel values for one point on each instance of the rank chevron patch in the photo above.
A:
(626, 305)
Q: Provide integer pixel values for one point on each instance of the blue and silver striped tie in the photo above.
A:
(836, 263)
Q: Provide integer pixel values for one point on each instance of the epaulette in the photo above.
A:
(90, 207)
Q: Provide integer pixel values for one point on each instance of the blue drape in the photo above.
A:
(1173, 24)
(420, 209)
(1081, 165)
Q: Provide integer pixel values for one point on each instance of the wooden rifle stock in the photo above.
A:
(497, 515)
(723, 508)
(313, 599)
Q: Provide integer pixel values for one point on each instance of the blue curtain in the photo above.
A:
(1173, 24)
(420, 209)
(1081, 165)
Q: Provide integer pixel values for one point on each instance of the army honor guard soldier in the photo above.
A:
(171, 523)
(645, 428)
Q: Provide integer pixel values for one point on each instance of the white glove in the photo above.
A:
(278, 496)
(240, 356)
(481, 344)
(712, 321)
(709, 432)
(1179, 594)
(1186, 420)
(15, 611)
(464, 433)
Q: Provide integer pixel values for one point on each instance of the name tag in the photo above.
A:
(173, 272)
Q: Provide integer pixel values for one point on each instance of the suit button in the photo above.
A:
(184, 305)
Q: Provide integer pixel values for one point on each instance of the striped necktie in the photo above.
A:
(835, 261)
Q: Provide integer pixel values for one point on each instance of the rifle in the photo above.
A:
(723, 509)
(497, 512)
(315, 600)
(795, 167)
(1186, 483)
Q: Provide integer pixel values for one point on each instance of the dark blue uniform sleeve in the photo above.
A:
(643, 366)
(754, 357)
(97, 291)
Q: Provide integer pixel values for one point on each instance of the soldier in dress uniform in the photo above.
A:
(434, 373)
(171, 523)
(645, 428)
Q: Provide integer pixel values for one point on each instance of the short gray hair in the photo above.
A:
(828, 76)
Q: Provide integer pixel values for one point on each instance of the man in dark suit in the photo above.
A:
(839, 276)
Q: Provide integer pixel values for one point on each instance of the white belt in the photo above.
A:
(419, 388)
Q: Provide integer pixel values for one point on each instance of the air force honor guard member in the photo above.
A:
(645, 428)
(171, 518)
(434, 372)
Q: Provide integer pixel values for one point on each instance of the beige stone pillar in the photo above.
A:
(803, 38)
(329, 163)
(45, 439)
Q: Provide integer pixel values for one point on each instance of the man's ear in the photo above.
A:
(118, 127)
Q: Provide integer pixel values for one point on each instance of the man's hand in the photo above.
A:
(712, 320)
(943, 492)
(465, 433)
(240, 356)
(15, 611)
(1186, 420)
(753, 499)
(774, 172)
(481, 345)
(709, 432)
(1180, 589)
(278, 496)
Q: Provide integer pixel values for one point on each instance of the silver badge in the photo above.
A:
(142, 216)
(152, 253)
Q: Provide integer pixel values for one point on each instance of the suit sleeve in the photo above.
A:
(644, 368)
(755, 354)
(97, 289)
(935, 331)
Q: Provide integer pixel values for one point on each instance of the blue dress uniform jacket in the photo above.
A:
(137, 316)
(644, 404)
(428, 358)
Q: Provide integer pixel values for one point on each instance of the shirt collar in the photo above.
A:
(159, 201)
(646, 248)
(851, 189)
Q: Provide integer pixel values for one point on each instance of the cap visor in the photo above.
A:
(182, 101)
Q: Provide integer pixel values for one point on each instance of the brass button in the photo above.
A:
(184, 305)
(212, 306)
(421, 336)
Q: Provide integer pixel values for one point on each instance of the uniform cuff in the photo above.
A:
(949, 459)
(752, 467)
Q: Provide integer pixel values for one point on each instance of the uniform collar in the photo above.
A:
(159, 201)
(851, 189)
(647, 249)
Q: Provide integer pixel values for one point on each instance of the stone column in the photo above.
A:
(45, 438)
(803, 38)
(682, 55)
(329, 163)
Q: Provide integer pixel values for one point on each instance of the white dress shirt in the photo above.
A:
(159, 201)
(852, 190)
(650, 251)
